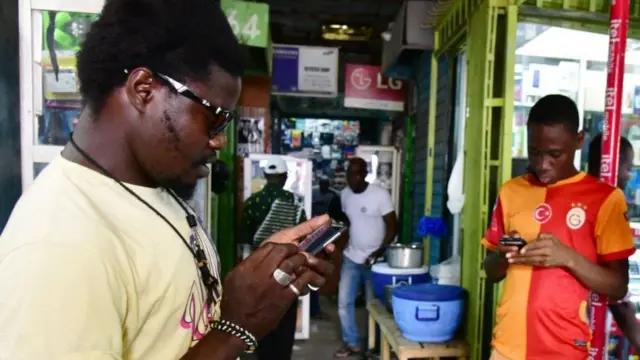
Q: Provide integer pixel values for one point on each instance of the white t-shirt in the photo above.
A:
(89, 272)
(365, 212)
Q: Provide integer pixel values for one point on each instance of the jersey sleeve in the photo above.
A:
(614, 236)
(496, 228)
(62, 302)
(386, 204)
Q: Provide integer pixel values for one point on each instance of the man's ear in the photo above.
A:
(139, 88)
(580, 143)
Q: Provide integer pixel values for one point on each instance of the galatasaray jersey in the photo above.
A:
(543, 311)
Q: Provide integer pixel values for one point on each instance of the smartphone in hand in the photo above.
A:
(315, 242)
(513, 241)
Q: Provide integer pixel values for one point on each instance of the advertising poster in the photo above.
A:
(366, 88)
(305, 71)
(250, 136)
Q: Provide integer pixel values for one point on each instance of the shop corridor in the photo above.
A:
(324, 337)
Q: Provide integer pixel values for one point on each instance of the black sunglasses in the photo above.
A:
(222, 117)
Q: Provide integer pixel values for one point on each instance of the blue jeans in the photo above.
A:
(352, 276)
(314, 305)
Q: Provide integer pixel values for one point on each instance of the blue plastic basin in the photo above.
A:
(428, 312)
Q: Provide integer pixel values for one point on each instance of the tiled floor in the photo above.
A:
(324, 337)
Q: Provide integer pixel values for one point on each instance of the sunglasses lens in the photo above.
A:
(221, 121)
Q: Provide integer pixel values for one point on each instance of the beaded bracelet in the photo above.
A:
(237, 331)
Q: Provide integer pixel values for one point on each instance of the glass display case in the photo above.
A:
(299, 183)
(51, 32)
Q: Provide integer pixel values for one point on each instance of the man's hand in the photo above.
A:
(495, 264)
(292, 235)
(546, 251)
(253, 299)
(503, 251)
(373, 258)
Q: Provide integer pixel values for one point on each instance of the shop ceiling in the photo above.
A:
(301, 22)
(304, 22)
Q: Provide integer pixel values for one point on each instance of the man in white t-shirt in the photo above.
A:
(102, 258)
(373, 225)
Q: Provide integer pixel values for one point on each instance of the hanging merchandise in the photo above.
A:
(66, 30)
(250, 136)
(455, 188)
(296, 139)
(63, 34)
(59, 76)
(383, 169)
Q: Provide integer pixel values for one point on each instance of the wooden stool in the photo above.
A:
(392, 339)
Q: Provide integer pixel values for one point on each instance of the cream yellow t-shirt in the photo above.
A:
(89, 272)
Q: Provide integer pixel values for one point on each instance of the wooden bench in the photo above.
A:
(392, 339)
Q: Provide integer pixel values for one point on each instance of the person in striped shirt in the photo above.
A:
(265, 213)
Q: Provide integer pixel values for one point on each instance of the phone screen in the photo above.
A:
(321, 237)
(512, 241)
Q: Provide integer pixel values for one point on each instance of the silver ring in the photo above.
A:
(294, 289)
(282, 277)
(313, 288)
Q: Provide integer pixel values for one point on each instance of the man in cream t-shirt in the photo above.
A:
(372, 227)
(78, 221)
(102, 258)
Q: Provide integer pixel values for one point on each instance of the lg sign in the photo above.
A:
(366, 88)
(361, 80)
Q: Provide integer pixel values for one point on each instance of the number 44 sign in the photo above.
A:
(249, 21)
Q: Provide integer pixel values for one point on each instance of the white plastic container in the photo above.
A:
(447, 272)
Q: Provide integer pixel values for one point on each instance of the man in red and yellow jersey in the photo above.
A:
(578, 239)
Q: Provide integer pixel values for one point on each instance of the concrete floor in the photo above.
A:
(324, 337)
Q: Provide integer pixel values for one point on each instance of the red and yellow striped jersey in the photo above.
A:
(542, 313)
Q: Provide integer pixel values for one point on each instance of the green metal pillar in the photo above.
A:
(491, 52)
(431, 141)
(225, 210)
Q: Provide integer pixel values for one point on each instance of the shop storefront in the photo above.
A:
(555, 60)
(517, 54)
(563, 61)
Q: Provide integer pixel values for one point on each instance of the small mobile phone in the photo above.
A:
(513, 241)
(321, 237)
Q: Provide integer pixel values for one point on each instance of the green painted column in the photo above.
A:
(224, 210)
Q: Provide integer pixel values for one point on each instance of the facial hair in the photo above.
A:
(183, 189)
(180, 188)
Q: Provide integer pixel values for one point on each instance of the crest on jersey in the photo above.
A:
(577, 216)
(542, 213)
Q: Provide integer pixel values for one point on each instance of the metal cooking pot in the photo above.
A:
(405, 256)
